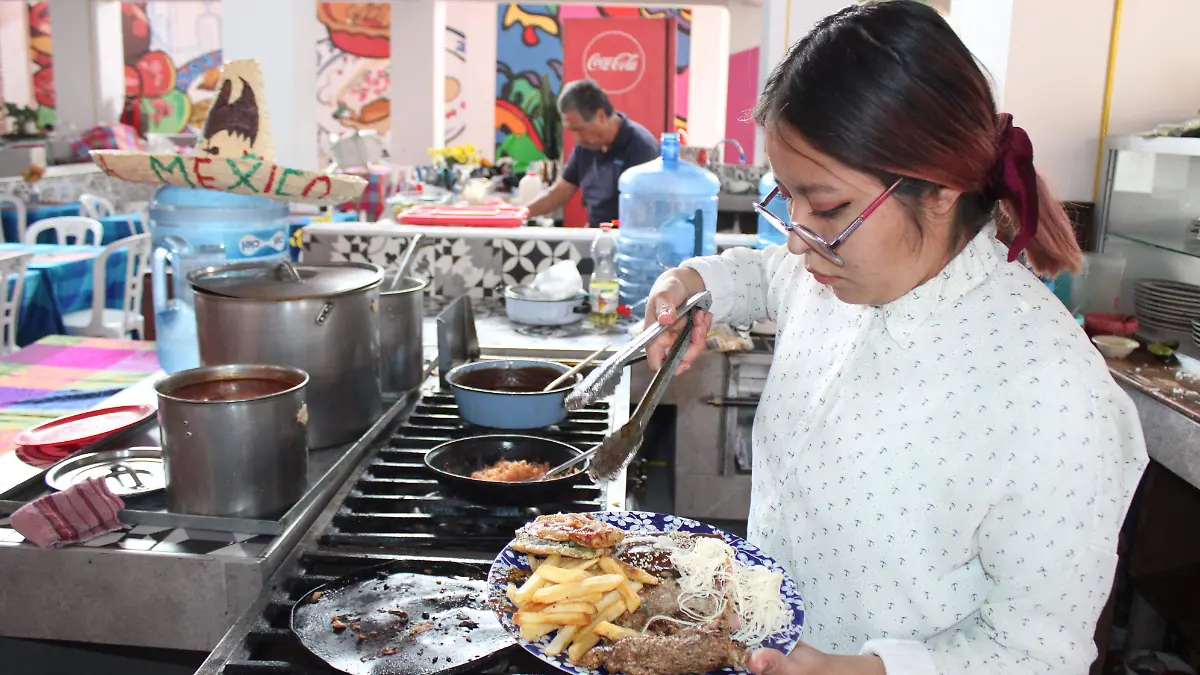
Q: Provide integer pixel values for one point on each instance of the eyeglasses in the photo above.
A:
(825, 249)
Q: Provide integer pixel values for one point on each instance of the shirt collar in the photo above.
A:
(965, 271)
(622, 138)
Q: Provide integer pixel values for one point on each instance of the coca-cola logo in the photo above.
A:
(615, 61)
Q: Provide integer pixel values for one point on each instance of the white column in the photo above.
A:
(282, 36)
(14, 53)
(89, 73)
(478, 74)
(985, 27)
(1017, 41)
(708, 82)
(784, 22)
(418, 78)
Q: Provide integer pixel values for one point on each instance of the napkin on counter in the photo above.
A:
(81, 512)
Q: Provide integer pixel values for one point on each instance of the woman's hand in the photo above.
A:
(671, 290)
(805, 660)
(808, 661)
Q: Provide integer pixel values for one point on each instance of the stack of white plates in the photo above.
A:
(1166, 305)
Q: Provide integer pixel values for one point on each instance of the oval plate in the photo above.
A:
(83, 428)
(644, 521)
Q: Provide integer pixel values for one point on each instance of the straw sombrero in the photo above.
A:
(235, 153)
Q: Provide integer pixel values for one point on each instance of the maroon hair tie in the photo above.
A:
(1014, 179)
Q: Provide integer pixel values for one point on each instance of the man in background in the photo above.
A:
(606, 144)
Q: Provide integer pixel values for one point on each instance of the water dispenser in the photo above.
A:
(193, 229)
(668, 214)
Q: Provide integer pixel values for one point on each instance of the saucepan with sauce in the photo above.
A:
(507, 393)
(235, 439)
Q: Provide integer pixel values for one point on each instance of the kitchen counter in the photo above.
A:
(190, 584)
(1168, 403)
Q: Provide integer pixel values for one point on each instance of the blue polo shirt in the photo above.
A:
(596, 172)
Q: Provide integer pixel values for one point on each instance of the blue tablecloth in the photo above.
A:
(8, 215)
(59, 281)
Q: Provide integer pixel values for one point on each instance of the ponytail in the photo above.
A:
(1035, 220)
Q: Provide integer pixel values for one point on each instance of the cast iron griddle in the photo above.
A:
(449, 625)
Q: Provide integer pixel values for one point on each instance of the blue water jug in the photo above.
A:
(668, 214)
(193, 229)
(768, 234)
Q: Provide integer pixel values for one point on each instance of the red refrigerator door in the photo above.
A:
(633, 60)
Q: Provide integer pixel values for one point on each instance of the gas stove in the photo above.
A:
(392, 509)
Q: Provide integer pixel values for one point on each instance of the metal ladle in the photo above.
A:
(418, 241)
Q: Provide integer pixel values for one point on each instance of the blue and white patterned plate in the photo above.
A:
(644, 521)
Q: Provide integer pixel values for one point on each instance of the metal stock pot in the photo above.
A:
(320, 318)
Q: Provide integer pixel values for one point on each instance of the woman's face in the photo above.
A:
(887, 256)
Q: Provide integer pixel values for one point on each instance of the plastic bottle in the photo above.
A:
(665, 206)
(768, 234)
(194, 229)
(530, 187)
(603, 287)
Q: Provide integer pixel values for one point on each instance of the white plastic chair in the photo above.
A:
(95, 206)
(142, 209)
(100, 321)
(19, 206)
(67, 230)
(10, 298)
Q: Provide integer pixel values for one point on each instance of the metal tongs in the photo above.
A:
(617, 450)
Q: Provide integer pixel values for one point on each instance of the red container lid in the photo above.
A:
(82, 428)
(504, 215)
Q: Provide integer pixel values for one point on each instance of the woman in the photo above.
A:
(941, 459)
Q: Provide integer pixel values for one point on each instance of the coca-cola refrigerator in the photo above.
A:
(633, 61)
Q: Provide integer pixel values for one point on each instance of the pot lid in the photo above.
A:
(285, 280)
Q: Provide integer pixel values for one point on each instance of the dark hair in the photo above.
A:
(888, 89)
(584, 97)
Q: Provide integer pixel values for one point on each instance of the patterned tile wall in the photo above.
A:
(455, 265)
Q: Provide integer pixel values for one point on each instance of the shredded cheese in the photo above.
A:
(710, 577)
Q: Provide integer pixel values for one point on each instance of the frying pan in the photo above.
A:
(449, 627)
(453, 462)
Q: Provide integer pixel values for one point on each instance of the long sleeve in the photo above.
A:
(744, 282)
(1047, 545)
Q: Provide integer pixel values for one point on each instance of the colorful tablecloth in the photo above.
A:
(61, 375)
(8, 216)
(59, 281)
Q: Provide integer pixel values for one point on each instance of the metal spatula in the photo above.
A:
(602, 381)
(615, 453)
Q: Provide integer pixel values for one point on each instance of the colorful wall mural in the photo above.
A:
(172, 60)
(353, 72)
(529, 48)
(41, 61)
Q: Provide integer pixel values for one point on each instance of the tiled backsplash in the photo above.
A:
(460, 260)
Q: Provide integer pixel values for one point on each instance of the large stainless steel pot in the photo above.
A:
(400, 314)
(234, 439)
(321, 318)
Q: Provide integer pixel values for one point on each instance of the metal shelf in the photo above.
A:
(1163, 145)
(1175, 243)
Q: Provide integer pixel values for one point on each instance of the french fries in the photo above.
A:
(578, 601)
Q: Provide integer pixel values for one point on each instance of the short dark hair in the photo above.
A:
(584, 97)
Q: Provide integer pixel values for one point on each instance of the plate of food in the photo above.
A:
(641, 593)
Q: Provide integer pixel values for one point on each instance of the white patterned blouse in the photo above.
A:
(944, 476)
